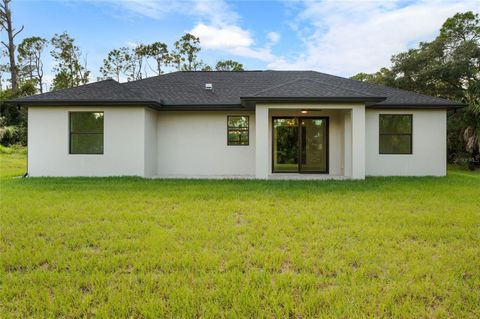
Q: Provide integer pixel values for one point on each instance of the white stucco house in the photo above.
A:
(252, 124)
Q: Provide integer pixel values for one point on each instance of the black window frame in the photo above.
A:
(70, 133)
(327, 138)
(232, 128)
(380, 134)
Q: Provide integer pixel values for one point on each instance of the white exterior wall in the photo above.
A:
(194, 145)
(150, 143)
(48, 143)
(143, 142)
(429, 145)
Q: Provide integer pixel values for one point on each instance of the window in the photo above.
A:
(237, 130)
(86, 132)
(395, 134)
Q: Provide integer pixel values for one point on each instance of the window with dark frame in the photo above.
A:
(395, 133)
(237, 130)
(86, 132)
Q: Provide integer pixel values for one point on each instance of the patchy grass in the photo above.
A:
(13, 161)
(128, 247)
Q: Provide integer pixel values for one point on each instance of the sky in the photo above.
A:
(336, 37)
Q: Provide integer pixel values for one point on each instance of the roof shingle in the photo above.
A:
(188, 89)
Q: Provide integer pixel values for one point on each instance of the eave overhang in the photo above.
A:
(312, 99)
(153, 104)
(418, 106)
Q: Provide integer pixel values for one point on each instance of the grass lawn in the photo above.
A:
(128, 247)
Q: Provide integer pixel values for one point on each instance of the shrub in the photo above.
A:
(11, 135)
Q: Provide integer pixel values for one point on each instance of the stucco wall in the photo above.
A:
(48, 143)
(194, 144)
(150, 143)
(429, 148)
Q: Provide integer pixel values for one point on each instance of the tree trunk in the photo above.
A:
(6, 21)
(40, 73)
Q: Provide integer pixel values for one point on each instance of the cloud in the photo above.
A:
(222, 32)
(219, 27)
(273, 37)
(231, 39)
(347, 37)
(215, 11)
(150, 8)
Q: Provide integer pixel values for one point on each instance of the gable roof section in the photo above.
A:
(311, 89)
(102, 92)
(230, 89)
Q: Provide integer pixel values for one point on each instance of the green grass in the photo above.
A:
(128, 247)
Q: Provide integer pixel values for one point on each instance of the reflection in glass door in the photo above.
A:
(313, 145)
(300, 145)
(285, 145)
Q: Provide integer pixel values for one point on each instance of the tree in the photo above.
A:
(447, 67)
(385, 77)
(69, 71)
(6, 23)
(176, 59)
(4, 68)
(30, 57)
(229, 65)
(186, 50)
(159, 52)
(135, 63)
(116, 63)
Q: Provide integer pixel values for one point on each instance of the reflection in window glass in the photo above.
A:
(237, 130)
(395, 134)
(86, 132)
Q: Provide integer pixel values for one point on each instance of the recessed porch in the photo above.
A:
(310, 141)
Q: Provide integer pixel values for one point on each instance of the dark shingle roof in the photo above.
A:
(309, 88)
(229, 88)
(103, 91)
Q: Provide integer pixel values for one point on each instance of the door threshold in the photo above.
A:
(298, 176)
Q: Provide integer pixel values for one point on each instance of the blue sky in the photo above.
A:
(338, 37)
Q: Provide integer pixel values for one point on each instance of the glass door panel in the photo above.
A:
(285, 145)
(313, 145)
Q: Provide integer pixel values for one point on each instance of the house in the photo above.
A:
(252, 124)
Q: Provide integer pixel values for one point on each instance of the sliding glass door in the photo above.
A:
(300, 145)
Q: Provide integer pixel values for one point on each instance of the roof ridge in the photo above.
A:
(312, 80)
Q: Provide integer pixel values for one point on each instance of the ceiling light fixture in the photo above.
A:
(304, 111)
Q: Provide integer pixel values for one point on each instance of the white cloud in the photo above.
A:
(273, 37)
(219, 27)
(231, 39)
(222, 37)
(215, 11)
(150, 8)
(347, 37)
(222, 32)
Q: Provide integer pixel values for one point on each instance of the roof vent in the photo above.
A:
(208, 86)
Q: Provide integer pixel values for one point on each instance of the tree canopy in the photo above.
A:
(228, 65)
